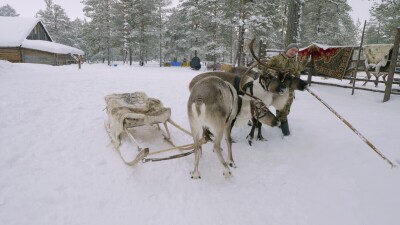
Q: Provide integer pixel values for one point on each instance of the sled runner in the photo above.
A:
(133, 110)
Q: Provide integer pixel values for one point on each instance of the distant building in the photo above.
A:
(26, 40)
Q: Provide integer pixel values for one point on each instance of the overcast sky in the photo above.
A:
(73, 8)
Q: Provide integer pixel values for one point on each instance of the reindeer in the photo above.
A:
(252, 107)
(278, 102)
(245, 71)
(247, 84)
(212, 105)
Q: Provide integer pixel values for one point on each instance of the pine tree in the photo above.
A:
(145, 34)
(192, 29)
(293, 24)
(77, 34)
(161, 12)
(267, 23)
(385, 18)
(7, 10)
(57, 22)
(318, 26)
(99, 30)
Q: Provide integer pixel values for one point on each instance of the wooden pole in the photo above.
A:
(358, 59)
(352, 128)
(392, 66)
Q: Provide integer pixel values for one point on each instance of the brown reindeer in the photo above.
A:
(212, 105)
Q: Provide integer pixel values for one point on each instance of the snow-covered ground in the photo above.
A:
(57, 165)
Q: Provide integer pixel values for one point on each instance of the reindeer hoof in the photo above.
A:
(249, 139)
(227, 174)
(195, 175)
(261, 139)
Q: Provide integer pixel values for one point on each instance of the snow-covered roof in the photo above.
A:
(53, 47)
(323, 46)
(14, 30)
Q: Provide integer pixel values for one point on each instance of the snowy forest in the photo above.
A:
(215, 30)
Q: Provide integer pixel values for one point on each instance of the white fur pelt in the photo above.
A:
(133, 109)
(377, 55)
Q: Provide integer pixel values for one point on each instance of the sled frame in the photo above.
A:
(144, 151)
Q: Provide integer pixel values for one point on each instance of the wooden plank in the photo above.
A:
(358, 88)
(359, 55)
(17, 55)
(41, 57)
(392, 66)
(10, 54)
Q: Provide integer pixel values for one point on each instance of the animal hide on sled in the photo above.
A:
(131, 110)
(327, 60)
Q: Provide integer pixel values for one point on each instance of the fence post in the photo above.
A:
(358, 59)
(392, 66)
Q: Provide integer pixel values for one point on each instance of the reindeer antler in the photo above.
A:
(261, 62)
(241, 83)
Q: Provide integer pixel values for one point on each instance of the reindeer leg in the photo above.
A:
(233, 124)
(195, 173)
(384, 77)
(377, 75)
(197, 153)
(251, 134)
(259, 134)
(228, 140)
(217, 148)
(368, 77)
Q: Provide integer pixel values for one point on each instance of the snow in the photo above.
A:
(325, 47)
(57, 164)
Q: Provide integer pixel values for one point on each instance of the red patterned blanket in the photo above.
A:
(327, 60)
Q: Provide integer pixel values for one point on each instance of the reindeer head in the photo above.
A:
(261, 112)
(272, 84)
(284, 76)
(291, 81)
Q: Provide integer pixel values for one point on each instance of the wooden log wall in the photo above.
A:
(10, 54)
(35, 56)
(16, 55)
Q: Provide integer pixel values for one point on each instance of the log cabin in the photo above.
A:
(26, 40)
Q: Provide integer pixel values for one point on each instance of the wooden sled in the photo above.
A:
(132, 110)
